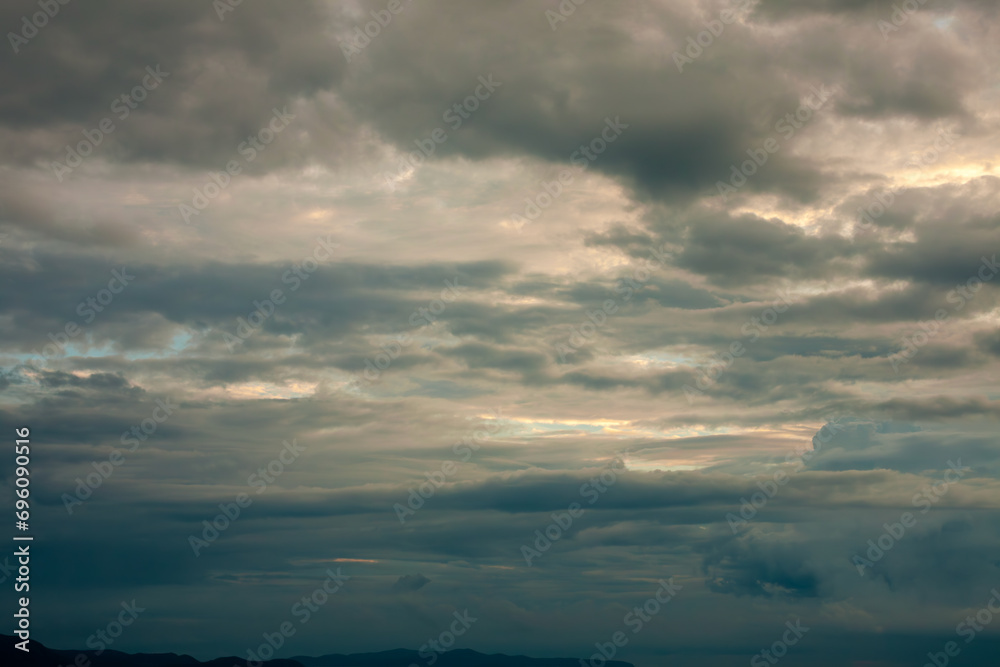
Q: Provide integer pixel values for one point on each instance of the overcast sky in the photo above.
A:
(740, 247)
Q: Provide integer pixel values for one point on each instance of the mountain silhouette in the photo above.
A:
(41, 656)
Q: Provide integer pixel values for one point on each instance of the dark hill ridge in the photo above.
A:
(40, 656)
(455, 658)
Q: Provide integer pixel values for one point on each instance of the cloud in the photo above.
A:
(409, 583)
(858, 226)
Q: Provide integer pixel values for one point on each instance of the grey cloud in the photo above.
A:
(409, 583)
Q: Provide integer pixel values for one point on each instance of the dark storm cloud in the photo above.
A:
(989, 342)
(860, 9)
(939, 407)
(691, 125)
(968, 205)
(733, 251)
(736, 251)
(107, 381)
(528, 497)
(660, 511)
(334, 298)
(813, 558)
(938, 257)
(747, 566)
(224, 78)
(484, 356)
(93, 412)
(693, 128)
(776, 346)
(786, 7)
(900, 446)
(912, 302)
(410, 582)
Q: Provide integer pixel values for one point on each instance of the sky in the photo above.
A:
(531, 311)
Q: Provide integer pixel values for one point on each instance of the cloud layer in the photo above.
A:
(749, 248)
